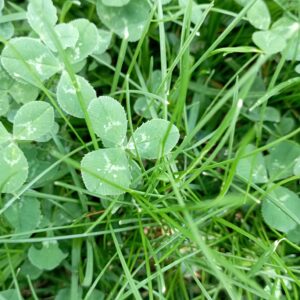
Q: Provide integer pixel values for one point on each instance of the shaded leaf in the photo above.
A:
(282, 159)
(276, 217)
(252, 168)
(24, 214)
(48, 257)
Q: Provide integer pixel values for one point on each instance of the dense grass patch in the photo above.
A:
(149, 149)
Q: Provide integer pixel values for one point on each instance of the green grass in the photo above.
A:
(193, 229)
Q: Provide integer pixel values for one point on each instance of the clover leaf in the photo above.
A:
(33, 120)
(279, 216)
(109, 120)
(67, 96)
(27, 59)
(154, 138)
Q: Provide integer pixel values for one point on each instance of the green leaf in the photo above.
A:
(28, 269)
(296, 168)
(259, 16)
(282, 159)
(276, 217)
(103, 41)
(67, 97)
(252, 168)
(152, 137)
(127, 21)
(4, 103)
(40, 13)
(48, 257)
(7, 30)
(67, 34)
(142, 106)
(9, 295)
(270, 114)
(23, 92)
(5, 80)
(13, 161)
(294, 235)
(33, 120)
(269, 41)
(28, 59)
(5, 136)
(108, 119)
(286, 27)
(87, 41)
(105, 171)
(115, 2)
(24, 214)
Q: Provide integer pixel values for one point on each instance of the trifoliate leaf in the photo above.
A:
(33, 120)
(108, 119)
(28, 59)
(127, 21)
(259, 15)
(269, 41)
(106, 171)
(41, 14)
(252, 168)
(87, 41)
(48, 257)
(282, 158)
(115, 2)
(24, 214)
(67, 35)
(13, 161)
(280, 218)
(67, 96)
(154, 138)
